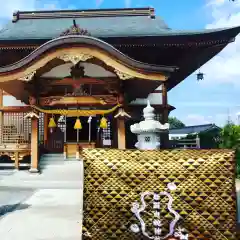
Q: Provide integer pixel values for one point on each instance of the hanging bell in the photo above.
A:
(78, 124)
(103, 123)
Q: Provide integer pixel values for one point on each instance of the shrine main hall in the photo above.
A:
(80, 79)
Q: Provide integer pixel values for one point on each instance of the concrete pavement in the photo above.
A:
(49, 204)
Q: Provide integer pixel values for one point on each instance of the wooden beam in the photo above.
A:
(34, 146)
(16, 109)
(164, 103)
(1, 97)
(1, 115)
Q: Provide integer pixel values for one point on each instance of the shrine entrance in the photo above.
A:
(55, 142)
(86, 134)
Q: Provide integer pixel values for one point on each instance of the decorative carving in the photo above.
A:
(32, 100)
(70, 100)
(75, 30)
(77, 71)
(122, 113)
(138, 209)
(75, 58)
(31, 115)
(28, 77)
(122, 75)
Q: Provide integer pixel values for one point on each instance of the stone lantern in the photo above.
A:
(148, 130)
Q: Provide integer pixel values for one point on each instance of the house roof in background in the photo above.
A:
(193, 129)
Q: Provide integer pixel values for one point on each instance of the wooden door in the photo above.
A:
(55, 142)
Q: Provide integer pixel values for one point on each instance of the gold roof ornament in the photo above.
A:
(122, 75)
(75, 58)
(28, 77)
(75, 30)
(122, 113)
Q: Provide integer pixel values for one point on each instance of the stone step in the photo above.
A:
(48, 160)
(52, 155)
(51, 160)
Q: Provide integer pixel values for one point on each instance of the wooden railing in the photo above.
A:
(15, 155)
(185, 143)
(15, 147)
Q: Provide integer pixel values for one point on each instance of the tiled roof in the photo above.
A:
(193, 129)
(50, 24)
(99, 23)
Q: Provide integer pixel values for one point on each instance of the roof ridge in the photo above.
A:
(118, 12)
(192, 126)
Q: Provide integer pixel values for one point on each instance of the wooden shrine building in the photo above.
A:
(82, 77)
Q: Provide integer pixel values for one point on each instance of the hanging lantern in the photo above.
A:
(200, 76)
(51, 124)
(78, 124)
(103, 123)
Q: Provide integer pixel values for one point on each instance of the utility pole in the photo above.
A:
(238, 118)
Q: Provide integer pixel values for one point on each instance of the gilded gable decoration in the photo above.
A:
(122, 75)
(28, 77)
(75, 30)
(75, 58)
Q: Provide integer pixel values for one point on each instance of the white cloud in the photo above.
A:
(224, 68)
(127, 3)
(219, 119)
(99, 3)
(195, 119)
(11, 6)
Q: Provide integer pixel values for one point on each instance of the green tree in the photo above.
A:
(230, 138)
(175, 123)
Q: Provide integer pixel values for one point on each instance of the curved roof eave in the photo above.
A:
(90, 41)
(7, 36)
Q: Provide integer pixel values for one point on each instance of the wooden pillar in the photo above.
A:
(65, 151)
(164, 136)
(121, 133)
(16, 160)
(34, 146)
(114, 132)
(46, 119)
(1, 116)
(99, 134)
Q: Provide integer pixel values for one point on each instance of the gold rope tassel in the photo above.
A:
(77, 112)
(103, 123)
(78, 124)
(52, 123)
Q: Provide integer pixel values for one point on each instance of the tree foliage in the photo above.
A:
(175, 123)
(230, 138)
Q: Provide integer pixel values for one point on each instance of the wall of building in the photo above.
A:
(154, 98)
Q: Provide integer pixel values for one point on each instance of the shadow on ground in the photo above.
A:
(5, 209)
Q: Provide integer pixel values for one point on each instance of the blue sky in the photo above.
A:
(211, 100)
